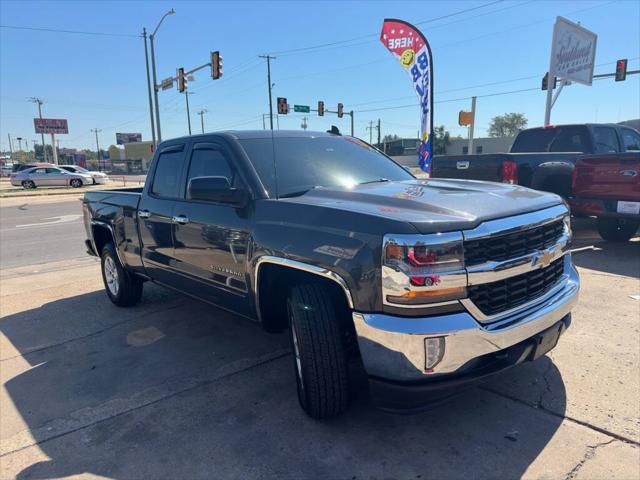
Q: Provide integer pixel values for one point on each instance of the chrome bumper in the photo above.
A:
(394, 347)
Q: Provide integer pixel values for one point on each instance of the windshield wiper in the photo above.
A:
(377, 180)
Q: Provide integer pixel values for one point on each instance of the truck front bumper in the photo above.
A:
(437, 353)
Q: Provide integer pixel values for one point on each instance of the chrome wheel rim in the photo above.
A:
(111, 275)
(296, 352)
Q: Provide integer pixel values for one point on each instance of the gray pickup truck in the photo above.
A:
(430, 284)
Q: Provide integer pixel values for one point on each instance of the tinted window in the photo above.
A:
(54, 170)
(209, 163)
(38, 171)
(557, 139)
(165, 180)
(305, 162)
(630, 140)
(69, 169)
(605, 140)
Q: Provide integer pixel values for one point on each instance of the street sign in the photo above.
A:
(301, 108)
(122, 138)
(51, 125)
(573, 51)
(167, 83)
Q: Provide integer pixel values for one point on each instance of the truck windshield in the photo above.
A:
(303, 163)
(555, 139)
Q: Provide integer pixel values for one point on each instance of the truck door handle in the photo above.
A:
(144, 213)
(462, 165)
(180, 220)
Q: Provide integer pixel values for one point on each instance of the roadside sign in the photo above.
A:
(167, 83)
(122, 138)
(573, 52)
(301, 108)
(51, 125)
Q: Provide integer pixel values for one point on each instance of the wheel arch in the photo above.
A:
(272, 279)
(102, 233)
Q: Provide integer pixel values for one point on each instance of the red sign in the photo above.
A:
(51, 125)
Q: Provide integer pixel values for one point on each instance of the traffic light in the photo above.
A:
(621, 70)
(216, 65)
(182, 81)
(283, 108)
(340, 110)
(320, 108)
(545, 81)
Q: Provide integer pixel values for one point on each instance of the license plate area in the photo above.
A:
(628, 207)
(547, 340)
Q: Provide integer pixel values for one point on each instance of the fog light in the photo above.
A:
(434, 351)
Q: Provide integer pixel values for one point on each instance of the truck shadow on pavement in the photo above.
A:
(175, 388)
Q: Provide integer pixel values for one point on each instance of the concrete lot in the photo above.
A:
(174, 388)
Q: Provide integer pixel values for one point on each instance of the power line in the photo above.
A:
(78, 32)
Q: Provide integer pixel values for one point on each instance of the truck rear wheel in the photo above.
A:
(122, 288)
(320, 359)
(617, 229)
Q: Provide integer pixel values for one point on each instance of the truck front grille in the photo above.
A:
(503, 295)
(512, 245)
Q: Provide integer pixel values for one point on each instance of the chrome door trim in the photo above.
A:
(305, 267)
(462, 165)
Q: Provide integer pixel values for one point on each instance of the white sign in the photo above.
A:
(167, 83)
(573, 52)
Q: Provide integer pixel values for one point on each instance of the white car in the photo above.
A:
(98, 177)
(49, 177)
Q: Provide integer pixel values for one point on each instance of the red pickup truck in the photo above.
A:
(608, 186)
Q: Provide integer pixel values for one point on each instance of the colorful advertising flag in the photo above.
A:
(412, 50)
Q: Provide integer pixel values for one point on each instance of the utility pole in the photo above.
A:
(473, 121)
(186, 97)
(378, 132)
(19, 148)
(370, 128)
(146, 62)
(96, 130)
(155, 76)
(10, 147)
(304, 123)
(39, 102)
(351, 115)
(269, 58)
(201, 113)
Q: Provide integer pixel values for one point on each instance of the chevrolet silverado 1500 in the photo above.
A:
(432, 284)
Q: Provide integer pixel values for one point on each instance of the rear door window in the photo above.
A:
(570, 139)
(605, 140)
(630, 140)
(166, 180)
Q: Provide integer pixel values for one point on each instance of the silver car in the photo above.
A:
(98, 177)
(49, 177)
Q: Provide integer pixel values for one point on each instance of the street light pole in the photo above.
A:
(155, 76)
(269, 58)
(146, 62)
(201, 113)
(186, 96)
(96, 130)
(39, 102)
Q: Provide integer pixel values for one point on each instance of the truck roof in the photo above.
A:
(246, 134)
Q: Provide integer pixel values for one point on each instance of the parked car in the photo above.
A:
(18, 167)
(6, 170)
(542, 158)
(433, 284)
(98, 177)
(49, 177)
(608, 187)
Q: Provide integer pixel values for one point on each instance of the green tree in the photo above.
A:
(507, 125)
(441, 138)
(390, 138)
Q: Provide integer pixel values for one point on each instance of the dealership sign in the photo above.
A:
(51, 125)
(122, 138)
(573, 52)
(410, 47)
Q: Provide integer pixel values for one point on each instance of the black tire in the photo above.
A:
(320, 360)
(75, 183)
(617, 229)
(124, 289)
(28, 184)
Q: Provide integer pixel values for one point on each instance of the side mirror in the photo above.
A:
(215, 189)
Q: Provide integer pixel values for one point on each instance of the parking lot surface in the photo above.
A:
(174, 388)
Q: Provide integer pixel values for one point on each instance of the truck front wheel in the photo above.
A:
(122, 288)
(617, 229)
(320, 359)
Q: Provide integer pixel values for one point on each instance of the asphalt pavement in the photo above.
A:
(32, 232)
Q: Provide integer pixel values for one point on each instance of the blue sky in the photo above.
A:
(99, 81)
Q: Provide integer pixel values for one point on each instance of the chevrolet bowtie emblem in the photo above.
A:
(543, 259)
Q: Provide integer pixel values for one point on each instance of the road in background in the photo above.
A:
(33, 233)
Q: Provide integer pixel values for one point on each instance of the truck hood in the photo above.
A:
(433, 205)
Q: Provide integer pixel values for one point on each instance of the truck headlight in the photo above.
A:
(418, 270)
(567, 226)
